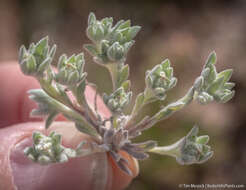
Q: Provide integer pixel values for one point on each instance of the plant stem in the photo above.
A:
(170, 150)
(166, 112)
(148, 95)
(67, 108)
(71, 114)
(52, 91)
(113, 69)
(83, 102)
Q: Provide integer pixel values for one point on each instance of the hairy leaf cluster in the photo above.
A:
(63, 88)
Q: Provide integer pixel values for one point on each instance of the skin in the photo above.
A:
(15, 134)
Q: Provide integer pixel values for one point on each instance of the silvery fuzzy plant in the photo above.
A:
(109, 47)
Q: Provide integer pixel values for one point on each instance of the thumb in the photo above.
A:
(96, 171)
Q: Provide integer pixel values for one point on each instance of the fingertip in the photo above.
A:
(79, 173)
(121, 179)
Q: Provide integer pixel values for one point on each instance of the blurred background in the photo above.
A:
(185, 31)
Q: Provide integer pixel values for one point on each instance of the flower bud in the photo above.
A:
(204, 98)
(70, 70)
(48, 149)
(160, 79)
(37, 58)
(117, 100)
(28, 65)
(188, 150)
(110, 43)
(213, 85)
(194, 149)
(116, 52)
(95, 32)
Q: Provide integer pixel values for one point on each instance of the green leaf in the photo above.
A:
(206, 157)
(90, 32)
(61, 77)
(73, 77)
(202, 139)
(205, 73)
(85, 129)
(226, 74)
(124, 74)
(229, 85)
(211, 59)
(227, 97)
(117, 25)
(91, 18)
(44, 65)
(81, 88)
(31, 48)
(22, 52)
(125, 24)
(106, 22)
(173, 82)
(99, 34)
(123, 32)
(71, 59)
(118, 37)
(133, 32)
(148, 79)
(62, 61)
(104, 47)
(57, 138)
(50, 119)
(41, 45)
(138, 103)
(50, 75)
(212, 74)
(126, 85)
(29, 66)
(52, 52)
(165, 64)
(193, 133)
(216, 85)
(36, 137)
(128, 45)
(80, 58)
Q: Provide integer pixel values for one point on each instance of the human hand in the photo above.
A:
(97, 171)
